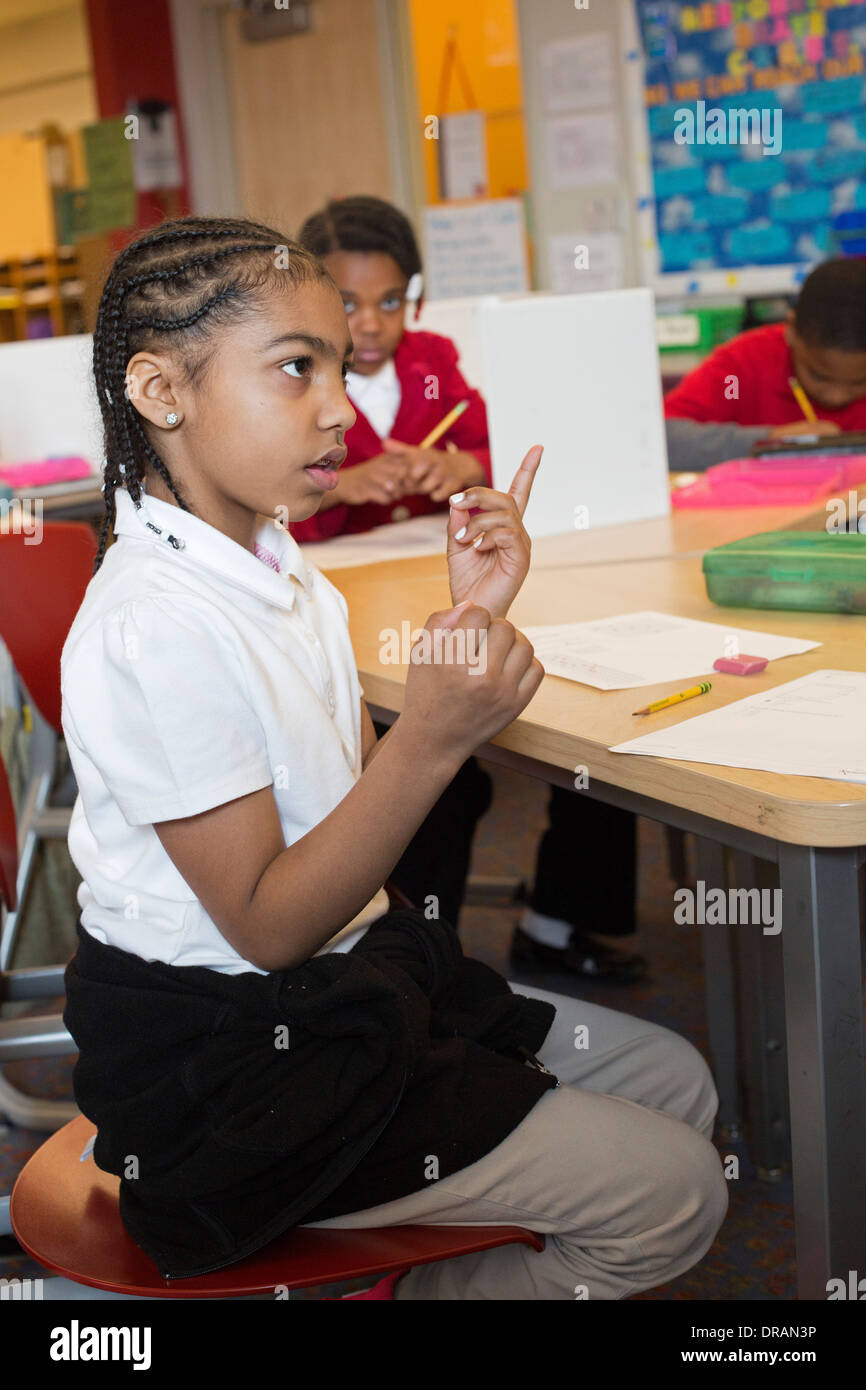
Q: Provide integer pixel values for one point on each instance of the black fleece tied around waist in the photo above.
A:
(233, 1107)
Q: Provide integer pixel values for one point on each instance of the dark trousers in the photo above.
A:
(586, 868)
(585, 871)
(436, 860)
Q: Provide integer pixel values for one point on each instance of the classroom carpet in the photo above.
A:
(753, 1257)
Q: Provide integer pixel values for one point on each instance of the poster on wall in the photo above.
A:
(475, 248)
(463, 155)
(582, 149)
(757, 128)
(109, 201)
(577, 73)
(155, 149)
(586, 262)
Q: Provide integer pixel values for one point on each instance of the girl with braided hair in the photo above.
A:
(262, 1042)
(220, 355)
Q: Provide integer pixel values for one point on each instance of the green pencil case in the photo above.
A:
(814, 571)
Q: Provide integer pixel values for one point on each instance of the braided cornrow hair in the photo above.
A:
(362, 224)
(169, 289)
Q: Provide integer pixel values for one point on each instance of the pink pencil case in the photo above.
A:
(786, 481)
(55, 470)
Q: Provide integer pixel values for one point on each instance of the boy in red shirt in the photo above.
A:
(745, 384)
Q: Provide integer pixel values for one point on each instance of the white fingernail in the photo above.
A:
(458, 497)
(476, 543)
(460, 534)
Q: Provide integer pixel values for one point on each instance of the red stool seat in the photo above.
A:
(65, 1215)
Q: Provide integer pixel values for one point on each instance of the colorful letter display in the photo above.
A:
(757, 127)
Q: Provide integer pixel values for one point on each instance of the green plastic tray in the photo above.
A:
(814, 571)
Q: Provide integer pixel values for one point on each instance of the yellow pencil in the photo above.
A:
(802, 399)
(675, 699)
(443, 425)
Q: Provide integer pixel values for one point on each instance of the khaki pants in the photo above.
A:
(615, 1167)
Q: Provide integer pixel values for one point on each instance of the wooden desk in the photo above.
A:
(685, 532)
(813, 829)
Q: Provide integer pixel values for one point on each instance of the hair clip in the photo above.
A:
(415, 293)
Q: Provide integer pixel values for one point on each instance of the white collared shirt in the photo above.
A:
(378, 396)
(193, 674)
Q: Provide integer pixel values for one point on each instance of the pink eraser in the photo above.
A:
(740, 665)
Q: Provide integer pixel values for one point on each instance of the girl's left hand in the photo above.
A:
(488, 554)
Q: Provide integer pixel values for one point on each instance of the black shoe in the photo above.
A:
(582, 956)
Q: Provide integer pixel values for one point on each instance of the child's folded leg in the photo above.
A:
(628, 1196)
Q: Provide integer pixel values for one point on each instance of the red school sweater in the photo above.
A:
(419, 357)
(760, 360)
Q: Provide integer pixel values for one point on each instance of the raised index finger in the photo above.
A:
(523, 478)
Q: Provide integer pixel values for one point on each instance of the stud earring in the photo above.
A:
(171, 418)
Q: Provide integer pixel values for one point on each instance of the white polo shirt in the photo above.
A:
(378, 396)
(196, 672)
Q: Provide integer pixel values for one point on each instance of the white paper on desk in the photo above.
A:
(402, 540)
(577, 73)
(583, 149)
(648, 648)
(810, 727)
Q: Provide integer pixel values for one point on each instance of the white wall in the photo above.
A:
(605, 205)
(203, 74)
(45, 66)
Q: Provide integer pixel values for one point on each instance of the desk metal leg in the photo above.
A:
(761, 1015)
(824, 1014)
(720, 995)
(823, 1021)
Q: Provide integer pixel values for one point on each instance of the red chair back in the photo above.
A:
(8, 844)
(41, 588)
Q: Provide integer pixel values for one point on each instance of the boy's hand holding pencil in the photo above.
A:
(488, 552)
(810, 424)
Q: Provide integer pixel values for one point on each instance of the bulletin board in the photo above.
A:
(716, 211)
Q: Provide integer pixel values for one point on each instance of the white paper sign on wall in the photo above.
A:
(476, 248)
